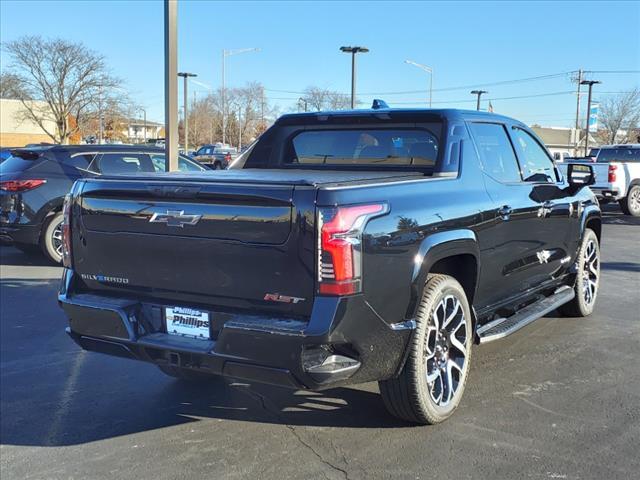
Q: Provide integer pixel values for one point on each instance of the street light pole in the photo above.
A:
(429, 70)
(479, 94)
(353, 51)
(171, 84)
(225, 54)
(590, 83)
(185, 76)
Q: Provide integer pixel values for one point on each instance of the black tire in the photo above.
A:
(584, 301)
(630, 205)
(410, 396)
(51, 238)
(186, 374)
(217, 166)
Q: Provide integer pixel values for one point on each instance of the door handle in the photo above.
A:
(505, 212)
(546, 208)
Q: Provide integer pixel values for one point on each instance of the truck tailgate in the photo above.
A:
(219, 243)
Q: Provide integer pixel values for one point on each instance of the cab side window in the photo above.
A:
(536, 164)
(496, 153)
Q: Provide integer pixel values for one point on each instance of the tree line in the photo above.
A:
(69, 86)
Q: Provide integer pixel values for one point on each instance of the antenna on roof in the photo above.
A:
(379, 104)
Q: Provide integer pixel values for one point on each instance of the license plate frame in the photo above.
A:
(187, 322)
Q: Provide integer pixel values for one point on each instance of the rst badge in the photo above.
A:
(175, 218)
(276, 297)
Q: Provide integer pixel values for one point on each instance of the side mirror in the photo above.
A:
(580, 175)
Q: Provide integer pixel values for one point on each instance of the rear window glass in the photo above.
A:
(619, 155)
(125, 163)
(374, 147)
(16, 164)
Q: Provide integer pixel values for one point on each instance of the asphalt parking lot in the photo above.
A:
(559, 399)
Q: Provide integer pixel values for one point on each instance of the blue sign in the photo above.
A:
(593, 117)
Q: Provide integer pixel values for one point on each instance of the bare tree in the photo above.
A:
(621, 112)
(58, 82)
(9, 85)
(316, 98)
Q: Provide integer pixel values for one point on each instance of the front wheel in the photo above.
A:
(630, 205)
(432, 382)
(51, 241)
(587, 278)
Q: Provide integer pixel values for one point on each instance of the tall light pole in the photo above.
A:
(429, 70)
(590, 83)
(225, 54)
(171, 84)
(479, 94)
(185, 76)
(353, 51)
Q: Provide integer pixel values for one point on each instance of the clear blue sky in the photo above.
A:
(467, 43)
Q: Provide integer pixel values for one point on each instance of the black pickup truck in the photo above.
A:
(343, 247)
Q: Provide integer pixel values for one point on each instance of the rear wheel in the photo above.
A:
(186, 374)
(51, 241)
(631, 204)
(587, 278)
(432, 382)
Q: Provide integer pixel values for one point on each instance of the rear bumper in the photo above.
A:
(606, 193)
(343, 342)
(27, 234)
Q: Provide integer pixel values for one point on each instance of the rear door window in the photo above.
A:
(496, 152)
(119, 163)
(366, 147)
(15, 164)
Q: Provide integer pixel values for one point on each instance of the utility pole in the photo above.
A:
(239, 129)
(429, 70)
(225, 54)
(262, 106)
(590, 83)
(578, 94)
(171, 84)
(185, 76)
(100, 118)
(479, 94)
(303, 101)
(353, 51)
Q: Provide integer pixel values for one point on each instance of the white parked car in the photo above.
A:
(617, 170)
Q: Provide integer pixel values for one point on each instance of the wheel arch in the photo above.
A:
(455, 253)
(592, 219)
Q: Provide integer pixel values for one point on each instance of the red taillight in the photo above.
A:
(339, 247)
(20, 185)
(612, 173)
(66, 232)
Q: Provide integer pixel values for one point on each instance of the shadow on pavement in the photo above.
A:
(621, 266)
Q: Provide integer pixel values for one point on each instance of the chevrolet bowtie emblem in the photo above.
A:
(175, 218)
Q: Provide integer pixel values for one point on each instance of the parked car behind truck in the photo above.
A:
(347, 247)
(617, 171)
(34, 181)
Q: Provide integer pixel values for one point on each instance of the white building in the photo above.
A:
(140, 131)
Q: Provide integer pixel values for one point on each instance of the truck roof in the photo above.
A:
(416, 114)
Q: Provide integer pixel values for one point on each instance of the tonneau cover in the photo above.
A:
(274, 176)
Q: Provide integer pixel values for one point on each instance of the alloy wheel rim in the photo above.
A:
(590, 273)
(56, 239)
(446, 347)
(635, 199)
